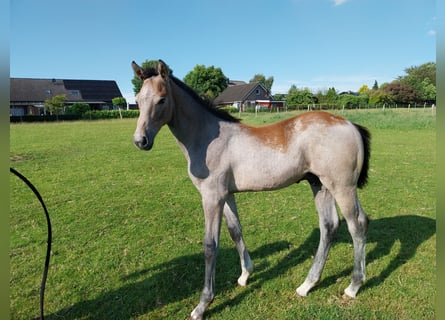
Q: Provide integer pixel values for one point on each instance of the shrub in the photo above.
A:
(77, 108)
(110, 114)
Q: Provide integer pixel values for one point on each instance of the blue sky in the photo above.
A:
(310, 43)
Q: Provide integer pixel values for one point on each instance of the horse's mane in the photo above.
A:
(205, 104)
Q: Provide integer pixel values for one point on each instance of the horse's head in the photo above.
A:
(154, 104)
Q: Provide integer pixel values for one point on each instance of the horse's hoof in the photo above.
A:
(299, 297)
(300, 292)
(345, 297)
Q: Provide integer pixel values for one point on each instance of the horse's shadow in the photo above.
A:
(187, 272)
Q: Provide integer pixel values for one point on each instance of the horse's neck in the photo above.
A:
(191, 124)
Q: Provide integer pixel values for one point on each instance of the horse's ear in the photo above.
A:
(163, 69)
(138, 70)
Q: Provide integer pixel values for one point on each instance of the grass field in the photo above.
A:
(128, 229)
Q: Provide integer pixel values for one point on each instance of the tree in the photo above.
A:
(297, 96)
(119, 102)
(56, 104)
(422, 79)
(375, 86)
(77, 108)
(279, 96)
(208, 82)
(291, 97)
(326, 96)
(364, 89)
(380, 97)
(363, 97)
(428, 90)
(262, 79)
(147, 64)
(418, 73)
(401, 92)
(348, 100)
(331, 95)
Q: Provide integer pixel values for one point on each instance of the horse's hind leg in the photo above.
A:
(358, 226)
(328, 221)
(235, 230)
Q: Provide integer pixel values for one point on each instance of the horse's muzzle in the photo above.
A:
(143, 143)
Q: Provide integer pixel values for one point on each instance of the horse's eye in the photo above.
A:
(161, 101)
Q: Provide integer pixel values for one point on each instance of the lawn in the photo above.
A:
(128, 229)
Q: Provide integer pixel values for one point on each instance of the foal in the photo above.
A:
(225, 156)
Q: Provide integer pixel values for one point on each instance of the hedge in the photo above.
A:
(89, 115)
(44, 118)
(109, 114)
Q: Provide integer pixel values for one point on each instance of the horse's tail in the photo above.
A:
(366, 139)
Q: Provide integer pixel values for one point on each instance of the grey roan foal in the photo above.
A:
(225, 156)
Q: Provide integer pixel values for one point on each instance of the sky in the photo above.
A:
(315, 44)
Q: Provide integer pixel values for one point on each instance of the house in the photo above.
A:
(27, 95)
(349, 92)
(234, 82)
(243, 96)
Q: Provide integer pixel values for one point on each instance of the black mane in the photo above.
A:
(207, 105)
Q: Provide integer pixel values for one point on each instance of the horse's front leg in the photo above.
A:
(235, 230)
(213, 207)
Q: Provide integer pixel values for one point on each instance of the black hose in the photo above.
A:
(48, 248)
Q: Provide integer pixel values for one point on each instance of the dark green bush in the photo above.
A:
(88, 115)
(110, 114)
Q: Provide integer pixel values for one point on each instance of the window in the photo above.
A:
(257, 92)
(75, 92)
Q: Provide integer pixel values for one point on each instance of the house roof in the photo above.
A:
(235, 82)
(237, 93)
(349, 92)
(94, 89)
(38, 90)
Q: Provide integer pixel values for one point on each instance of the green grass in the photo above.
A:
(128, 229)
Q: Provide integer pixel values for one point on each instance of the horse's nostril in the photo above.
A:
(144, 141)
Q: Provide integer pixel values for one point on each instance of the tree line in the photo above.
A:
(417, 85)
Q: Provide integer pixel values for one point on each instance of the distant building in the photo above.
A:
(349, 92)
(243, 95)
(27, 96)
(235, 82)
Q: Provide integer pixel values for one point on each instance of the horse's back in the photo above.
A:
(277, 155)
